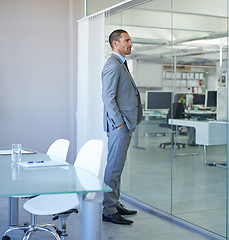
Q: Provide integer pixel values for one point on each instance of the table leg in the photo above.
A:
(91, 220)
(13, 211)
(136, 139)
(186, 154)
(174, 153)
(205, 160)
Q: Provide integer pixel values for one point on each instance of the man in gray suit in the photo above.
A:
(122, 112)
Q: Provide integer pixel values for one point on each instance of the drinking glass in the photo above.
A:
(16, 152)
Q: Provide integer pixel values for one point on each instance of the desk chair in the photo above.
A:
(176, 112)
(62, 205)
(58, 150)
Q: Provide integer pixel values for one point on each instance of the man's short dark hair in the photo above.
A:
(115, 36)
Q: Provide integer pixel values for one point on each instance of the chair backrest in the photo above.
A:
(59, 150)
(176, 112)
(90, 156)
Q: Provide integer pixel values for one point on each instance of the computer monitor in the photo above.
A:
(157, 100)
(198, 99)
(211, 99)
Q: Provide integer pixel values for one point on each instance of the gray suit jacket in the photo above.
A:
(120, 95)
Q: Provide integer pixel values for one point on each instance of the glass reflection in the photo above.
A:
(200, 48)
(179, 47)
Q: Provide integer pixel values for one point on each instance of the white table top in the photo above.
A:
(207, 132)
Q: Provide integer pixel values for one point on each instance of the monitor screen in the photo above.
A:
(158, 100)
(198, 99)
(211, 99)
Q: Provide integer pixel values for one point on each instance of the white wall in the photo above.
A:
(212, 79)
(148, 74)
(36, 73)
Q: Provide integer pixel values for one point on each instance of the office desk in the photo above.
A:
(154, 114)
(201, 112)
(207, 132)
(17, 180)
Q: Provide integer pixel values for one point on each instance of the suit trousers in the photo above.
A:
(118, 144)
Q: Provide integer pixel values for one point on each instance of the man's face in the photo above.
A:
(123, 46)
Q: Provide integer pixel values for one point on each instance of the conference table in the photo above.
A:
(18, 180)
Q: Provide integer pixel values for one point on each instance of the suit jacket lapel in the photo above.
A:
(131, 79)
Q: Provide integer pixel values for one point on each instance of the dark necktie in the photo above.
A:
(125, 63)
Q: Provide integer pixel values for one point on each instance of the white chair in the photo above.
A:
(57, 151)
(61, 205)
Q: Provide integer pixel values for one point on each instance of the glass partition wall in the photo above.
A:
(200, 51)
(179, 47)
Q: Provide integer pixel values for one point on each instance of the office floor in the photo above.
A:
(181, 185)
(146, 227)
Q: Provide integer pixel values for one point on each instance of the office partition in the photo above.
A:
(187, 40)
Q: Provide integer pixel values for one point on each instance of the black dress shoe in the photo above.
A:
(116, 218)
(123, 211)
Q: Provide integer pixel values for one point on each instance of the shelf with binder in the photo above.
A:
(184, 81)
